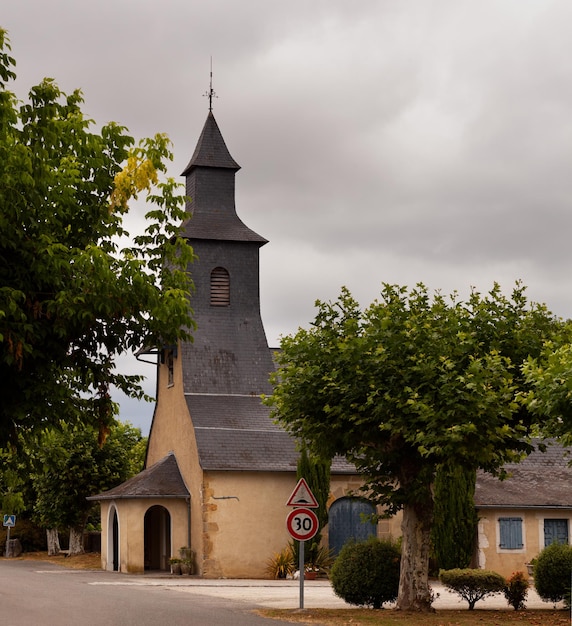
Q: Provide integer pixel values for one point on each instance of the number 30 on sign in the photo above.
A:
(302, 524)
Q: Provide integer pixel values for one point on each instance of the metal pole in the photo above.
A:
(7, 541)
(301, 569)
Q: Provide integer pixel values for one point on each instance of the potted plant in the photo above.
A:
(281, 565)
(186, 553)
(186, 566)
(319, 561)
(175, 565)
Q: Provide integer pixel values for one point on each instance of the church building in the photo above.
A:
(218, 471)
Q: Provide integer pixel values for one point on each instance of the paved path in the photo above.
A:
(285, 594)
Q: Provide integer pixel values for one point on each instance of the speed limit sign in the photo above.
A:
(302, 524)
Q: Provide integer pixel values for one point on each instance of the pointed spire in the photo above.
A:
(211, 150)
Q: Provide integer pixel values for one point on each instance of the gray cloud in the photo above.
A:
(379, 141)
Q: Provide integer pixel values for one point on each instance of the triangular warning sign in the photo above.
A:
(302, 496)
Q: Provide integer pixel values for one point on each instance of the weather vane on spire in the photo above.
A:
(210, 93)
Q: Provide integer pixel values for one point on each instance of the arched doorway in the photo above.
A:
(157, 538)
(345, 522)
(113, 539)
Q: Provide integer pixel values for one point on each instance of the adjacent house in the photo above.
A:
(529, 510)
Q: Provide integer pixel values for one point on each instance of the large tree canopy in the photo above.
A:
(70, 299)
(409, 384)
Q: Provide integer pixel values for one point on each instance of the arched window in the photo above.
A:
(220, 287)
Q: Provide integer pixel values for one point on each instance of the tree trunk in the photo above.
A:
(53, 540)
(414, 591)
(76, 541)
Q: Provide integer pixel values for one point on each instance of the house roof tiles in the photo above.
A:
(543, 479)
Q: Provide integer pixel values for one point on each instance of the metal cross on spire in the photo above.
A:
(210, 93)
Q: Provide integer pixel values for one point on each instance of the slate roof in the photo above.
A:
(542, 480)
(236, 433)
(210, 187)
(211, 150)
(161, 480)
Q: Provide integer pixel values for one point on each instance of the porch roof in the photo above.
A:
(161, 480)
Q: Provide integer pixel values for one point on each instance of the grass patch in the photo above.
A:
(388, 617)
(88, 560)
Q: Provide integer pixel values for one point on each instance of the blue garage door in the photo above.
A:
(345, 522)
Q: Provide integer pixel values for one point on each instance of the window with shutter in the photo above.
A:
(555, 531)
(510, 533)
(220, 287)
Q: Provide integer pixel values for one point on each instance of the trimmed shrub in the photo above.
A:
(516, 590)
(552, 572)
(472, 584)
(367, 573)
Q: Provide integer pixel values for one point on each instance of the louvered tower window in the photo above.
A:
(220, 287)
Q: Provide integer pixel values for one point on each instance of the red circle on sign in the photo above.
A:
(302, 524)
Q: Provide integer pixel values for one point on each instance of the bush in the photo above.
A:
(516, 590)
(367, 573)
(552, 572)
(472, 584)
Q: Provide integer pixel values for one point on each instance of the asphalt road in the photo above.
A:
(41, 594)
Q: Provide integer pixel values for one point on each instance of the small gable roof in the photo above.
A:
(541, 480)
(161, 480)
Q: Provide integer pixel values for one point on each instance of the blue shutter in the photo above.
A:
(510, 533)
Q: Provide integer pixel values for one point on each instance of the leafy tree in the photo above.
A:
(70, 299)
(71, 465)
(549, 376)
(407, 385)
(455, 517)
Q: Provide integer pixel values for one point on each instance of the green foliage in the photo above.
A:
(472, 584)
(455, 517)
(552, 572)
(72, 465)
(516, 590)
(281, 565)
(409, 384)
(31, 536)
(549, 376)
(316, 472)
(71, 300)
(367, 573)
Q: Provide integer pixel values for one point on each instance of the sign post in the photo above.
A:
(302, 523)
(9, 522)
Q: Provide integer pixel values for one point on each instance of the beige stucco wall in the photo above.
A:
(503, 561)
(131, 515)
(172, 430)
(245, 520)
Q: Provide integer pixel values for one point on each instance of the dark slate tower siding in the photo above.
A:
(230, 354)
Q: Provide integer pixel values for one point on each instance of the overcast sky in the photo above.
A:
(397, 141)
